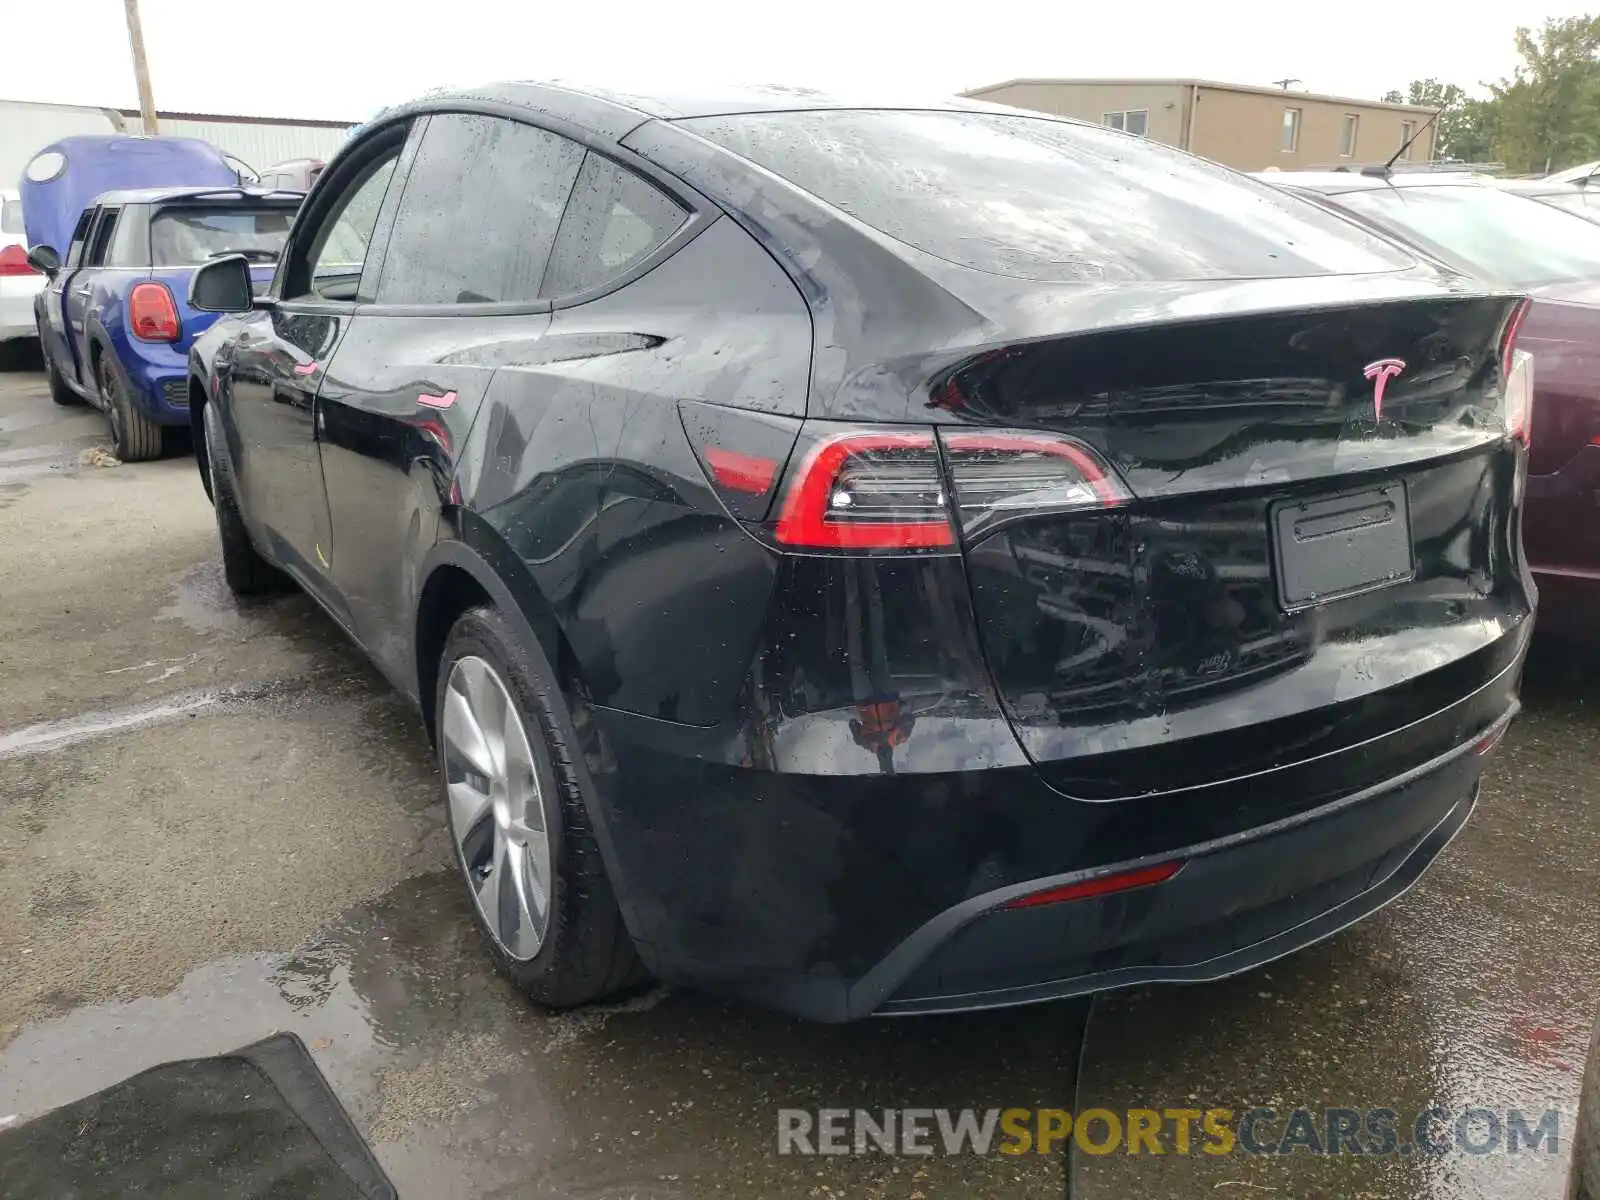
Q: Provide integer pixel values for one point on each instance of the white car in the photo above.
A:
(19, 283)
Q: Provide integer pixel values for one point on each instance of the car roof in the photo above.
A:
(615, 112)
(157, 195)
(1335, 182)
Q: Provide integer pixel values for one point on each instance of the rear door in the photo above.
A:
(282, 357)
(58, 346)
(81, 291)
(459, 295)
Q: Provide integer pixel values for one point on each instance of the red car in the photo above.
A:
(1469, 223)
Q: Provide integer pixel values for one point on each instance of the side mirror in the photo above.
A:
(222, 286)
(45, 260)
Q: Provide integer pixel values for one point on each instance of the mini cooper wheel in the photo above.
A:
(134, 436)
(517, 819)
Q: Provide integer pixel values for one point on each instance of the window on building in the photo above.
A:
(1408, 130)
(1136, 120)
(1347, 135)
(1291, 130)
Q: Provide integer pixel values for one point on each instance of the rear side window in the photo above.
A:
(479, 213)
(11, 216)
(130, 247)
(187, 237)
(1038, 199)
(100, 241)
(613, 220)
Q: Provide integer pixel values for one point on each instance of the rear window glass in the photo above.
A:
(1040, 199)
(11, 216)
(1511, 238)
(186, 237)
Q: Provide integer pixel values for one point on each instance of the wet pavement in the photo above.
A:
(217, 822)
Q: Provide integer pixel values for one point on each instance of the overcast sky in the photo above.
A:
(345, 59)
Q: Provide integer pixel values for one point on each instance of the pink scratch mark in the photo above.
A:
(1380, 373)
(309, 368)
(429, 400)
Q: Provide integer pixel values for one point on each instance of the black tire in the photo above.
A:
(247, 573)
(59, 391)
(587, 954)
(134, 436)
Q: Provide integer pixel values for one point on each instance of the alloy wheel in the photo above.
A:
(497, 810)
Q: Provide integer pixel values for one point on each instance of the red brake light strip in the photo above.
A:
(803, 521)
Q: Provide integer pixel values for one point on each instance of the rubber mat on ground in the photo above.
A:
(260, 1123)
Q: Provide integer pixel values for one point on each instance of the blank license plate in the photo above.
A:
(1340, 545)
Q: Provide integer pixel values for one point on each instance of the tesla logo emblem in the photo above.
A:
(429, 400)
(1380, 373)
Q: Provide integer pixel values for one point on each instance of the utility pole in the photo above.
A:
(1282, 83)
(141, 69)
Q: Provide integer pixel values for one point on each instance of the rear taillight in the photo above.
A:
(152, 313)
(1516, 369)
(867, 490)
(14, 261)
(742, 453)
(1000, 475)
(889, 488)
(1519, 395)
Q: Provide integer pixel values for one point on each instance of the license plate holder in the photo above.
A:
(1336, 546)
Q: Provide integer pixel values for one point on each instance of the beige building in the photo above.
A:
(1250, 128)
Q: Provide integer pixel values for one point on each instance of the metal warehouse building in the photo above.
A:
(26, 127)
(1243, 126)
(259, 141)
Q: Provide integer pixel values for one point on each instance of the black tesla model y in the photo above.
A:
(883, 560)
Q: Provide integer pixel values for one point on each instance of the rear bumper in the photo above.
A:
(157, 375)
(1562, 549)
(835, 898)
(1569, 602)
(1230, 908)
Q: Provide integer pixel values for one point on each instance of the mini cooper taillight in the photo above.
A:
(152, 313)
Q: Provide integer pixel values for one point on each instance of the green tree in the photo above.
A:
(1465, 125)
(1547, 115)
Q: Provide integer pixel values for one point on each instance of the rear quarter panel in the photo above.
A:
(579, 462)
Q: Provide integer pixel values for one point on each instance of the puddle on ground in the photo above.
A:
(467, 1090)
(1476, 989)
(202, 601)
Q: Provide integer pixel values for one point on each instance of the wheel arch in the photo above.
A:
(199, 398)
(472, 566)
